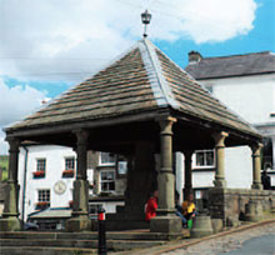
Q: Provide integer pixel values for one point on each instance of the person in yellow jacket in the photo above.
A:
(189, 208)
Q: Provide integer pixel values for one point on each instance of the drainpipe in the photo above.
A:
(24, 180)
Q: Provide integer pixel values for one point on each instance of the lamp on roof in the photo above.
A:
(145, 18)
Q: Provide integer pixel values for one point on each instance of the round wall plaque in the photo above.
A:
(60, 187)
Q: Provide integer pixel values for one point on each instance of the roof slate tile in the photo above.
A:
(144, 79)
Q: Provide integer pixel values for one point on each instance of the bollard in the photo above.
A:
(102, 250)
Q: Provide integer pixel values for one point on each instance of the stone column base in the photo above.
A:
(257, 186)
(202, 226)
(170, 224)
(253, 211)
(78, 224)
(10, 224)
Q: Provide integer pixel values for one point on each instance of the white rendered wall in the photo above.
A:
(179, 174)
(238, 167)
(253, 97)
(55, 165)
(203, 179)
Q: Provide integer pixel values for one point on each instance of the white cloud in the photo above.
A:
(73, 38)
(3, 145)
(16, 103)
(218, 20)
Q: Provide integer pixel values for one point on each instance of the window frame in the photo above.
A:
(100, 163)
(107, 181)
(38, 195)
(37, 164)
(70, 158)
(195, 166)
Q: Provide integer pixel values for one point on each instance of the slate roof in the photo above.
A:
(143, 80)
(236, 65)
(52, 213)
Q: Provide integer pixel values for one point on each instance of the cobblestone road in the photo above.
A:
(225, 244)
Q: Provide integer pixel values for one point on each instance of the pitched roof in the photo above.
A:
(52, 213)
(143, 80)
(236, 65)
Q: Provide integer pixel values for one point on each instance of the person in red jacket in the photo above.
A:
(151, 206)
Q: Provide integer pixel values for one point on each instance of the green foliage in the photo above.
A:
(4, 164)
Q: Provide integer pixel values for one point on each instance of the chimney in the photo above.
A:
(194, 57)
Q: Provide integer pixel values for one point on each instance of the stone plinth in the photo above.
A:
(229, 204)
(77, 224)
(10, 220)
(202, 226)
(80, 220)
(253, 211)
(10, 224)
(169, 224)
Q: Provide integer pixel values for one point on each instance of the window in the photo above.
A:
(267, 155)
(44, 199)
(41, 165)
(122, 167)
(70, 163)
(69, 168)
(107, 158)
(40, 168)
(44, 195)
(107, 181)
(204, 159)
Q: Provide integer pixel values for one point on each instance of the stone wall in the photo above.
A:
(229, 204)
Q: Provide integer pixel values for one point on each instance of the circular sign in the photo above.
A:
(60, 187)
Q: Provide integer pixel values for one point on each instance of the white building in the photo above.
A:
(46, 175)
(246, 85)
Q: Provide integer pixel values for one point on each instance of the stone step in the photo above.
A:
(122, 235)
(34, 250)
(116, 245)
(126, 224)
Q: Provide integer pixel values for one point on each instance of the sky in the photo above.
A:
(46, 47)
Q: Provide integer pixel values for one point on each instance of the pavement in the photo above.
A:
(242, 240)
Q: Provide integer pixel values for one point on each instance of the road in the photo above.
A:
(256, 241)
(263, 245)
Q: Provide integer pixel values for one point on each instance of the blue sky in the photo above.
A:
(260, 38)
(51, 46)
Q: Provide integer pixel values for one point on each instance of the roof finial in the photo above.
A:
(145, 18)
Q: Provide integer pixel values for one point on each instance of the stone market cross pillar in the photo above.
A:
(188, 187)
(10, 220)
(166, 221)
(80, 220)
(256, 158)
(219, 138)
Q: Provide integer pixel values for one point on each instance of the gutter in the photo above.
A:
(24, 180)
